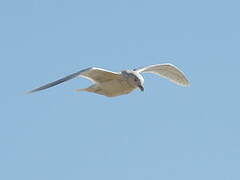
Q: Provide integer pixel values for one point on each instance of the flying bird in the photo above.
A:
(113, 84)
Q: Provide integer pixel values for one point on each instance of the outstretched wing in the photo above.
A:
(99, 75)
(94, 74)
(167, 71)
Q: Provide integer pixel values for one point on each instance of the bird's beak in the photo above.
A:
(141, 87)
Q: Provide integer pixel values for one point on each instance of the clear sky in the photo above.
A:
(167, 132)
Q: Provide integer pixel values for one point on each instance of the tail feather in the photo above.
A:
(82, 89)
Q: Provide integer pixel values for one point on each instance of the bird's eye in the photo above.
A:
(135, 80)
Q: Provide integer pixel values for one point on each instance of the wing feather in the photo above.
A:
(100, 75)
(167, 71)
(94, 74)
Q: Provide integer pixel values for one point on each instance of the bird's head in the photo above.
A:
(134, 79)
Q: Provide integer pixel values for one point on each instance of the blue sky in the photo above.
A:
(167, 132)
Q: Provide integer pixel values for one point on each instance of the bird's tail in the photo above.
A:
(92, 88)
(83, 89)
(89, 89)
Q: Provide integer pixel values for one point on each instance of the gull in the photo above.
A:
(113, 84)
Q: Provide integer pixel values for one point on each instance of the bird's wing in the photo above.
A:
(94, 74)
(100, 75)
(167, 71)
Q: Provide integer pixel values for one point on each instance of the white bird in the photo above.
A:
(113, 84)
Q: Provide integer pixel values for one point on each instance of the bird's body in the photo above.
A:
(110, 88)
(113, 84)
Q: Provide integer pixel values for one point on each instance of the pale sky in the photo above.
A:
(167, 132)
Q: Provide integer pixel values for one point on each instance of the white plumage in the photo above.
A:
(113, 84)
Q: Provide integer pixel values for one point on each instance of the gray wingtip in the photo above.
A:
(29, 92)
(59, 81)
